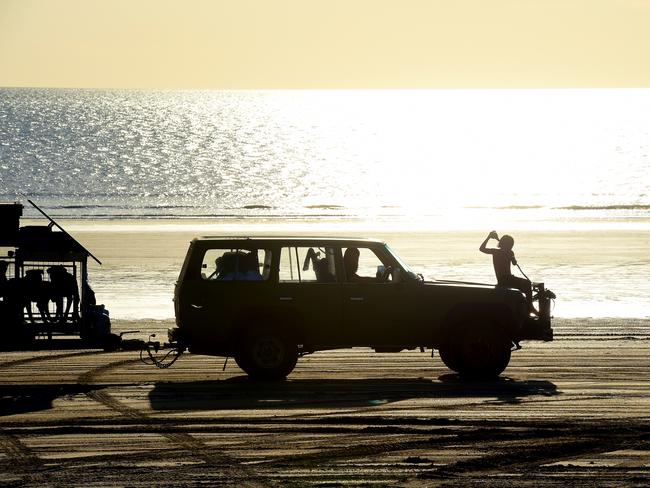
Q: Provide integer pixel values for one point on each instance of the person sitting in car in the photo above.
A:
(351, 264)
(320, 266)
(238, 266)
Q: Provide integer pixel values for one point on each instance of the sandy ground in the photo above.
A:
(574, 412)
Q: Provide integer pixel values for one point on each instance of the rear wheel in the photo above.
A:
(477, 349)
(267, 354)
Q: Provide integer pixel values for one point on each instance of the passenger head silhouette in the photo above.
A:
(351, 260)
(506, 242)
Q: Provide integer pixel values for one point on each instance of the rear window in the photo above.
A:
(236, 264)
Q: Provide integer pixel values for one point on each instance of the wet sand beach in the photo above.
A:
(574, 412)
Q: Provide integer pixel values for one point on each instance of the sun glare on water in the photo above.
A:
(444, 152)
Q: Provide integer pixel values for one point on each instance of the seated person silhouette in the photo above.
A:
(320, 266)
(351, 265)
(3, 288)
(3, 279)
(238, 266)
(502, 257)
(3, 273)
(250, 267)
(33, 289)
(64, 286)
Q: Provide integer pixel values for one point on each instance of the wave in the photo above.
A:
(135, 207)
(162, 216)
(507, 207)
(567, 207)
(605, 207)
(325, 206)
(139, 208)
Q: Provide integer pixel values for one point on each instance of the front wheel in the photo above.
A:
(476, 349)
(267, 354)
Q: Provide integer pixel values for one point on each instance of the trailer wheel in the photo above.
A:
(476, 349)
(266, 354)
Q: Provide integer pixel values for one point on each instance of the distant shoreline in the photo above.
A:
(336, 223)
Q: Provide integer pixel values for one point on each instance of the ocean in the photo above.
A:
(572, 163)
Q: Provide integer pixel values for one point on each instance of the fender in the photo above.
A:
(496, 313)
(285, 321)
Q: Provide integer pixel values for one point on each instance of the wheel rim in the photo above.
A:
(483, 352)
(268, 352)
(478, 350)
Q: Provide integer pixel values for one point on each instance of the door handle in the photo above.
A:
(357, 299)
(286, 299)
(193, 305)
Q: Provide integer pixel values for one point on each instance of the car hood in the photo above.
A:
(459, 283)
(474, 287)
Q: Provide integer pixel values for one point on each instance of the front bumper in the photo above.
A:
(536, 329)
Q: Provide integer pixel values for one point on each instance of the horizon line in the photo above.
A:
(341, 88)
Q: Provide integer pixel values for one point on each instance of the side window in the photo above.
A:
(307, 264)
(236, 265)
(362, 265)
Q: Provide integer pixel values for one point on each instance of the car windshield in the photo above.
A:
(404, 266)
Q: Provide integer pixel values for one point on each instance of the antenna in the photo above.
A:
(53, 222)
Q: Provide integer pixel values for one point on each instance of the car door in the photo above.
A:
(309, 294)
(372, 308)
(232, 288)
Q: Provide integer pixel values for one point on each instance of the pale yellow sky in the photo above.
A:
(325, 44)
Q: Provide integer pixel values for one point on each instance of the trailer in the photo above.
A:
(45, 294)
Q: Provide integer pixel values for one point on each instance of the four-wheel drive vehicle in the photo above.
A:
(267, 301)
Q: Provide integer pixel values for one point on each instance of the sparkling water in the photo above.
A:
(418, 160)
(442, 154)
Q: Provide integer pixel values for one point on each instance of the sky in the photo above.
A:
(242, 44)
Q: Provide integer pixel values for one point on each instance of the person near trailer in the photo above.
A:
(11, 297)
(4, 284)
(12, 304)
(4, 265)
(64, 285)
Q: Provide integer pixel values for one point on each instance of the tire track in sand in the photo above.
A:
(22, 461)
(19, 362)
(230, 467)
(17, 453)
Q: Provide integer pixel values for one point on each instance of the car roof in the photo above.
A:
(290, 240)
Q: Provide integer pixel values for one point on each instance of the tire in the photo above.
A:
(266, 354)
(476, 349)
